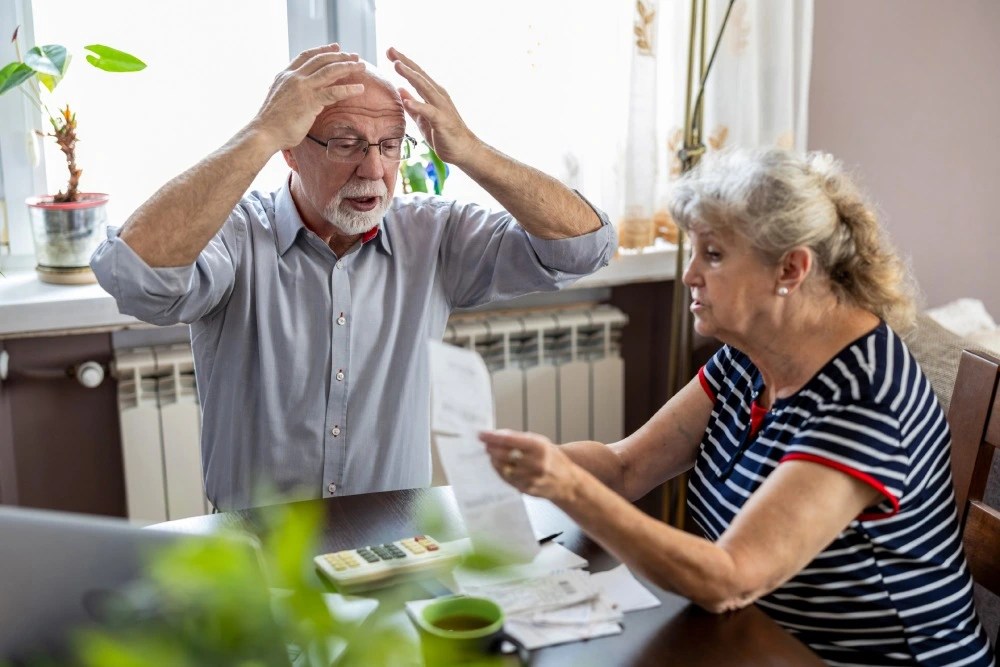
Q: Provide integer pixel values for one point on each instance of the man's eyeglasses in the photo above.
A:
(353, 150)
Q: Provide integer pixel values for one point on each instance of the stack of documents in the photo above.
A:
(552, 600)
(567, 606)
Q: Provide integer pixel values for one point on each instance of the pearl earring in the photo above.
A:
(782, 291)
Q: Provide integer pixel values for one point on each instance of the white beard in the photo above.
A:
(353, 222)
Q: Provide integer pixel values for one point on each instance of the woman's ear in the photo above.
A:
(794, 268)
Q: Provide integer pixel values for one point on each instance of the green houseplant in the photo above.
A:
(66, 227)
(421, 168)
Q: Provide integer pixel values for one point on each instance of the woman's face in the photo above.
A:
(732, 289)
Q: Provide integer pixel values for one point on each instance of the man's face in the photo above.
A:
(352, 197)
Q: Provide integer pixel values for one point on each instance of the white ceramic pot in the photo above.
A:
(66, 235)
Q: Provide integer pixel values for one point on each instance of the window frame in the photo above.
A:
(22, 162)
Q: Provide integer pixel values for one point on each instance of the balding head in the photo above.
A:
(380, 96)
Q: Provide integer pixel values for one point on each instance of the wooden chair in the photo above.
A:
(974, 417)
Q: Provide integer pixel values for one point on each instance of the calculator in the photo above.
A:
(381, 565)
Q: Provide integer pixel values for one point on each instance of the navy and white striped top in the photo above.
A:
(893, 588)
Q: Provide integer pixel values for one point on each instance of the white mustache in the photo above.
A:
(357, 190)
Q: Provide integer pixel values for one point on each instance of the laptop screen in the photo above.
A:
(57, 570)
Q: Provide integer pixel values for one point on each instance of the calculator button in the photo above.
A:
(413, 547)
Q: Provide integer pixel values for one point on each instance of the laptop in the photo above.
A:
(55, 567)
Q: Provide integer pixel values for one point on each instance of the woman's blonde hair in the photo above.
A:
(779, 201)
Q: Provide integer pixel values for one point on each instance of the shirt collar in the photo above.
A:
(288, 223)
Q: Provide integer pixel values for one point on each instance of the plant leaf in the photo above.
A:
(416, 176)
(113, 60)
(14, 75)
(440, 172)
(49, 59)
(50, 82)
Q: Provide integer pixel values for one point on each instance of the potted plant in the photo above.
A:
(67, 226)
(421, 168)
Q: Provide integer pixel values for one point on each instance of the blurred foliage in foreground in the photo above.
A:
(208, 602)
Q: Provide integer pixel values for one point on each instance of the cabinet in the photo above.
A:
(59, 441)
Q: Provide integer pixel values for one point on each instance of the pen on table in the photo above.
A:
(549, 538)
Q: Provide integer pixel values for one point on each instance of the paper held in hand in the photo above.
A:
(461, 406)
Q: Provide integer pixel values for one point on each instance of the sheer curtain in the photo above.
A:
(593, 93)
(757, 95)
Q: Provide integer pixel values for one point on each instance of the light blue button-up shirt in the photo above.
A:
(312, 369)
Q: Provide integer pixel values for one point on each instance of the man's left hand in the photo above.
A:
(436, 115)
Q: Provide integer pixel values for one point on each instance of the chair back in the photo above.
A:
(974, 417)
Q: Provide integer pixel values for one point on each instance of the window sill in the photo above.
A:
(29, 307)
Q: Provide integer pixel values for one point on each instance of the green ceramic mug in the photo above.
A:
(463, 631)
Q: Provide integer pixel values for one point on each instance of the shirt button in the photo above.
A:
(340, 264)
(340, 376)
(332, 488)
(335, 431)
(341, 320)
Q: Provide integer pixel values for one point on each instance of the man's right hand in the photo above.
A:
(302, 90)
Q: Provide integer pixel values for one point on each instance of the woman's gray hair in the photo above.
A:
(778, 201)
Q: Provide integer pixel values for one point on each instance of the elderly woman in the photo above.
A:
(820, 454)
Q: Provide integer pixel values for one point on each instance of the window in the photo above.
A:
(209, 67)
(540, 81)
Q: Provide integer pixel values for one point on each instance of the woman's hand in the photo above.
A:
(435, 115)
(531, 463)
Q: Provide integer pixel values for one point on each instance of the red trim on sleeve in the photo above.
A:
(856, 474)
(369, 235)
(704, 383)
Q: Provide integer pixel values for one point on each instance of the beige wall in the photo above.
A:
(907, 92)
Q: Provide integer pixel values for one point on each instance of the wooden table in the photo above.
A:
(675, 633)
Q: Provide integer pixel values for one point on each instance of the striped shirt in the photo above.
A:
(893, 588)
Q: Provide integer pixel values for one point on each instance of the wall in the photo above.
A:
(907, 92)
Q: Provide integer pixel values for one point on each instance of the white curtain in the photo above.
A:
(757, 95)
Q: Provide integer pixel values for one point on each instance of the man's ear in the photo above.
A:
(794, 268)
(290, 160)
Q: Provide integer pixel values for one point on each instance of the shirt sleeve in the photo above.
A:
(486, 256)
(170, 295)
(860, 440)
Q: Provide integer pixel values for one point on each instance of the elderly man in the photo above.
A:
(310, 307)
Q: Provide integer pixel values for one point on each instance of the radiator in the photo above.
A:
(160, 427)
(558, 373)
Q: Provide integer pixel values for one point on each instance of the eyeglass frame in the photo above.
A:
(407, 140)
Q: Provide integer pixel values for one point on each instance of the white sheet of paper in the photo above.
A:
(461, 407)
(623, 590)
(552, 591)
(597, 610)
(537, 635)
(552, 557)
